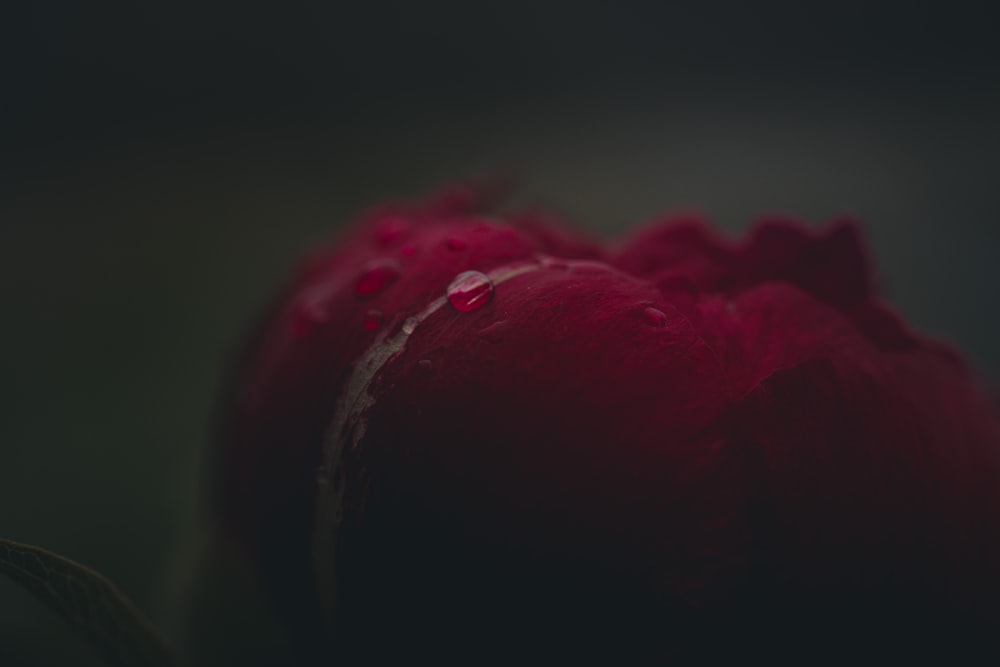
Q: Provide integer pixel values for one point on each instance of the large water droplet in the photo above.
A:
(410, 325)
(373, 320)
(375, 277)
(470, 291)
(426, 364)
(455, 243)
(654, 317)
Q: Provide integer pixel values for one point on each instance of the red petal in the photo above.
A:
(684, 423)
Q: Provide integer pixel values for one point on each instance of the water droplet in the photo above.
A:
(410, 325)
(470, 291)
(375, 277)
(425, 364)
(373, 320)
(408, 250)
(455, 243)
(654, 317)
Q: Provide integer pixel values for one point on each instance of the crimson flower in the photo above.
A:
(461, 434)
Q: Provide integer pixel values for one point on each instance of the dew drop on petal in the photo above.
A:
(373, 320)
(456, 244)
(376, 277)
(408, 250)
(410, 325)
(654, 317)
(470, 291)
(425, 364)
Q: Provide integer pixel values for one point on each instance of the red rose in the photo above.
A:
(464, 433)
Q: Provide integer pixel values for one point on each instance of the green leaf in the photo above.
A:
(88, 601)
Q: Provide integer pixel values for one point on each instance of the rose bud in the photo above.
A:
(461, 436)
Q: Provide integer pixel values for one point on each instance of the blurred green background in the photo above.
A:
(164, 163)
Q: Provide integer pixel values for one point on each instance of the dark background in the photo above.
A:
(163, 162)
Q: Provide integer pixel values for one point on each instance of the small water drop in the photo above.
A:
(425, 364)
(654, 317)
(456, 244)
(373, 320)
(375, 277)
(408, 250)
(410, 325)
(469, 291)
